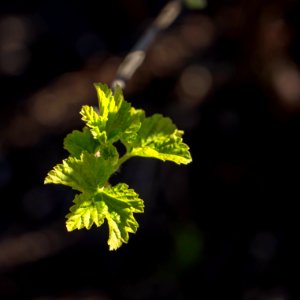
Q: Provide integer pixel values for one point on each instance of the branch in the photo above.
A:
(137, 55)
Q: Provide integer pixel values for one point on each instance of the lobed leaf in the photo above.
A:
(79, 141)
(116, 118)
(115, 204)
(159, 138)
(86, 174)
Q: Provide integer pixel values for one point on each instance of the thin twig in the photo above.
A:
(137, 55)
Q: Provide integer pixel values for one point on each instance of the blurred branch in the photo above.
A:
(137, 55)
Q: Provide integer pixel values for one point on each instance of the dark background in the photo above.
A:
(223, 227)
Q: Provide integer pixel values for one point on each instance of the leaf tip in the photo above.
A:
(48, 179)
(114, 244)
(69, 227)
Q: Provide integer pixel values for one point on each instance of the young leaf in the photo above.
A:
(131, 133)
(116, 116)
(94, 158)
(85, 212)
(94, 122)
(79, 141)
(109, 152)
(115, 204)
(159, 138)
(86, 174)
(114, 110)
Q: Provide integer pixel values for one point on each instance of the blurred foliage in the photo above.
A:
(195, 4)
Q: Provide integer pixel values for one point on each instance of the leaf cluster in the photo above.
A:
(93, 158)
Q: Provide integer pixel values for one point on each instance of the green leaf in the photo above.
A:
(114, 111)
(79, 141)
(106, 100)
(116, 118)
(115, 204)
(109, 152)
(85, 212)
(86, 174)
(94, 122)
(159, 138)
(131, 133)
(94, 158)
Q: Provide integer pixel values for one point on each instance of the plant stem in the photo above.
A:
(137, 55)
(123, 159)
